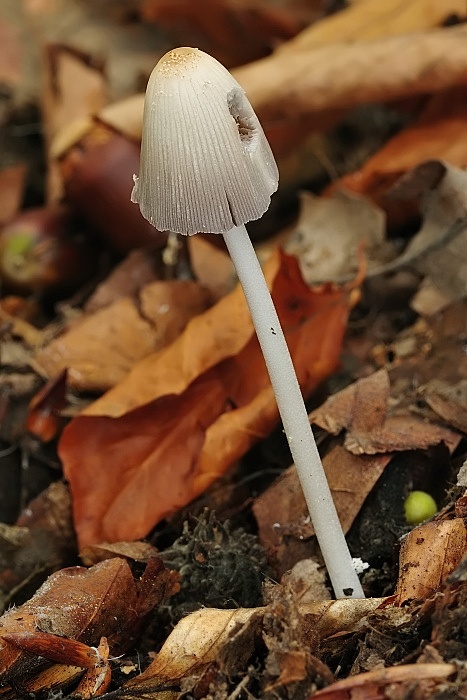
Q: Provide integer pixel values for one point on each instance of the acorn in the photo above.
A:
(41, 253)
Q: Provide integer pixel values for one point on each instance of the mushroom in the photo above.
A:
(206, 166)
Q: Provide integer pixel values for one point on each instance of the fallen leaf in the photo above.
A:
(232, 31)
(438, 249)
(184, 415)
(132, 551)
(43, 419)
(439, 132)
(202, 636)
(449, 401)
(281, 511)
(53, 647)
(139, 267)
(366, 19)
(40, 542)
(196, 641)
(75, 88)
(429, 553)
(362, 410)
(97, 679)
(423, 678)
(12, 181)
(82, 605)
(101, 348)
(329, 233)
(290, 85)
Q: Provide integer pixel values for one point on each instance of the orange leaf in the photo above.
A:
(159, 450)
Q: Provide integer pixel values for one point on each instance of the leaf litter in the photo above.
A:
(200, 410)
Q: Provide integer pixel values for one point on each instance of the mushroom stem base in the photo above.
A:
(294, 416)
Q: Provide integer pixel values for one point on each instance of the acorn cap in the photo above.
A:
(206, 164)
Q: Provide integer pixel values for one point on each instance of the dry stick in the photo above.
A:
(294, 416)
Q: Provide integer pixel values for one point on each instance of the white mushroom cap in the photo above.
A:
(206, 164)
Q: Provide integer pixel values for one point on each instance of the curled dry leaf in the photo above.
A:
(330, 231)
(439, 132)
(12, 182)
(366, 19)
(82, 605)
(449, 401)
(362, 410)
(421, 678)
(101, 348)
(184, 415)
(42, 539)
(232, 31)
(202, 637)
(97, 678)
(291, 85)
(197, 640)
(75, 88)
(429, 553)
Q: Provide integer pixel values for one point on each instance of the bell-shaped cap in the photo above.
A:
(206, 164)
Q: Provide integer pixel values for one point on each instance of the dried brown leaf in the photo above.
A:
(362, 410)
(12, 182)
(281, 510)
(197, 640)
(291, 85)
(373, 684)
(81, 605)
(428, 555)
(101, 348)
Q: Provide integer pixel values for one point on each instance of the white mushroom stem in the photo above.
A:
(294, 416)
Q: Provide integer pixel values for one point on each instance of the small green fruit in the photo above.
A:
(418, 507)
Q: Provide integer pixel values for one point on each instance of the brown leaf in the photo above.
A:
(133, 551)
(53, 648)
(78, 604)
(101, 348)
(183, 416)
(12, 181)
(290, 85)
(423, 678)
(366, 19)
(361, 409)
(232, 31)
(329, 233)
(449, 401)
(281, 510)
(81, 604)
(43, 419)
(439, 133)
(75, 89)
(196, 641)
(139, 267)
(41, 541)
(97, 679)
(429, 553)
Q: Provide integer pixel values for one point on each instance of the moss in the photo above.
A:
(220, 566)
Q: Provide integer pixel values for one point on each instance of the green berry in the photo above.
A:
(419, 506)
